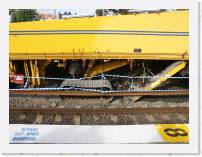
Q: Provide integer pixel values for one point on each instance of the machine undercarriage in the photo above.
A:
(100, 75)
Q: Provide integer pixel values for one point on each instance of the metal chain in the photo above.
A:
(54, 78)
(140, 77)
(95, 90)
(25, 86)
(103, 76)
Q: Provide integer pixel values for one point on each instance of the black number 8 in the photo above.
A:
(175, 132)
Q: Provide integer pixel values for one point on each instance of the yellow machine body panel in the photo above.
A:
(154, 36)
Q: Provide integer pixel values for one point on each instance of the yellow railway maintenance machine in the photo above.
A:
(108, 52)
(140, 44)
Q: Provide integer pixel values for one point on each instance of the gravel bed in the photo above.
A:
(102, 119)
(69, 102)
(14, 118)
(33, 101)
(98, 119)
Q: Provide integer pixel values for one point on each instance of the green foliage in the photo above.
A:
(22, 15)
(119, 11)
(101, 12)
(104, 12)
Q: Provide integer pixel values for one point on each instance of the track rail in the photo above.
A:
(91, 93)
(103, 110)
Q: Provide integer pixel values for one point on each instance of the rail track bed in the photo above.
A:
(116, 116)
(49, 101)
(39, 109)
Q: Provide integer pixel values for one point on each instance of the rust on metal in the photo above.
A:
(92, 94)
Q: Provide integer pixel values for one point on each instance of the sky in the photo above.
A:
(73, 11)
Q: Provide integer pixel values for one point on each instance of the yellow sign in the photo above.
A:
(174, 133)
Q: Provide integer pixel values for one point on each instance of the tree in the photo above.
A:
(101, 12)
(11, 11)
(104, 12)
(119, 11)
(22, 15)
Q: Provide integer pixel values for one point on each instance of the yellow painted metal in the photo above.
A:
(98, 69)
(90, 66)
(165, 75)
(12, 68)
(110, 55)
(37, 73)
(34, 73)
(41, 68)
(26, 71)
(173, 133)
(106, 37)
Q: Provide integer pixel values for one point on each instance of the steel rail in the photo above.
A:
(93, 94)
(101, 110)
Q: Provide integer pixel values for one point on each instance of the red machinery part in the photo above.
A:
(17, 79)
